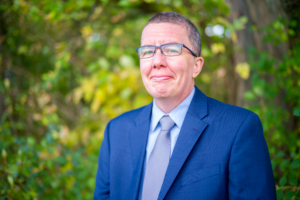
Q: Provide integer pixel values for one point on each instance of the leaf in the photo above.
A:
(282, 181)
(12, 169)
(77, 95)
(279, 194)
(86, 31)
(30, 141)
(126, 61)
(296, 111)
(50, 16)
(249, 95)
(243, 69)
(104, 64)
(4, 154)
(290, 194)
(205, 77)
(7, 83)
(88, 85)
(217, 48)
(10, 180)
(239, 24)
(280, 154)
(295, 163)
(95, 105)
(258, 90)
(233, 37)
(22, 49)
(149, 1)
(125, 94)
(293, 179)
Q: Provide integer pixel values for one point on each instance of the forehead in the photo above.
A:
(162, 33)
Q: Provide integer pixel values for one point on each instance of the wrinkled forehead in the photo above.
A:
(163, 32)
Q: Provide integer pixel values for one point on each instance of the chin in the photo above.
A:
(160, 93)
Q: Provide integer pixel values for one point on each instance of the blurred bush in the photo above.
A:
(68, 67)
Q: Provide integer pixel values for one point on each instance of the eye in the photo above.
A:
(171, 50)
(148, 52)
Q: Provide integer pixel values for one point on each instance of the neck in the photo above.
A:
(169, 104)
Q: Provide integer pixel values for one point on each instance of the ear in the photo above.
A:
(199, 61)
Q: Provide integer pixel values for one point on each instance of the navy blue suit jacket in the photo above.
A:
(220, 153)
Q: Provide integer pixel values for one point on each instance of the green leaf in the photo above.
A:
(4, 154)
(290, 194)
(22, 49)
(126, 61)
(104, 2)
(297, 194)
(296, 111)
(279, 194)
(249, 96)
(280, 154)
(30, 141)
(125, 94)
(293, 180)
(293, 23)
(258, 90)
(124, 3)
(282, 181)
(240, 23)
(295, 163)
(104, 64)
(10, 180)
(12, 169)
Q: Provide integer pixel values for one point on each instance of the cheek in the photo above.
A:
(189, 68)
(145, 70)
(182, 69)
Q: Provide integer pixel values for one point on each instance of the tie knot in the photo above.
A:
(166, 123)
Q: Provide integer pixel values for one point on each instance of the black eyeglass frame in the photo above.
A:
(181, 45)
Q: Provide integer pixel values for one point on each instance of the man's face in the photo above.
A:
(169, 77)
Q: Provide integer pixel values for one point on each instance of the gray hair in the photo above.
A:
(175, 18)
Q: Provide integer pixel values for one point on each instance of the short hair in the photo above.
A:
(175, 18)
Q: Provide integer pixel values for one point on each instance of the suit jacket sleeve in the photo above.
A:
(250, 171)
(102, 189)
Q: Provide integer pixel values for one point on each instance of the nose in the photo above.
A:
(159, 59)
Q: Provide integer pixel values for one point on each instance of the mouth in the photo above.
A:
(160, 78)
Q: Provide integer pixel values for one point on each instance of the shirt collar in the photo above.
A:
(177, 114)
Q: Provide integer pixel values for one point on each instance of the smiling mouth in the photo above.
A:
(160, 78)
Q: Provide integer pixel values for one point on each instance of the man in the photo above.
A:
(183, 145)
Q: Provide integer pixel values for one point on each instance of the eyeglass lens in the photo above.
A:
(167, 50)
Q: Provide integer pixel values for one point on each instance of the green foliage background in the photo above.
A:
(68, 67)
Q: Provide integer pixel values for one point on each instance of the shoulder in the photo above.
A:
(129, 118)
(119, 128)
(214, 104)
(227, 112)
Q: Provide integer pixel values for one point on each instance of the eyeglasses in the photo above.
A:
(171, 49)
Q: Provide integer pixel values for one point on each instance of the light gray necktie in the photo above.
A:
(158, 161)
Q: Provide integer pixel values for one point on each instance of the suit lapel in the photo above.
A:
(191, 130)
(138, 141)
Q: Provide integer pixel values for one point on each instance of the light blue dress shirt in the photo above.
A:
(177, 115)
